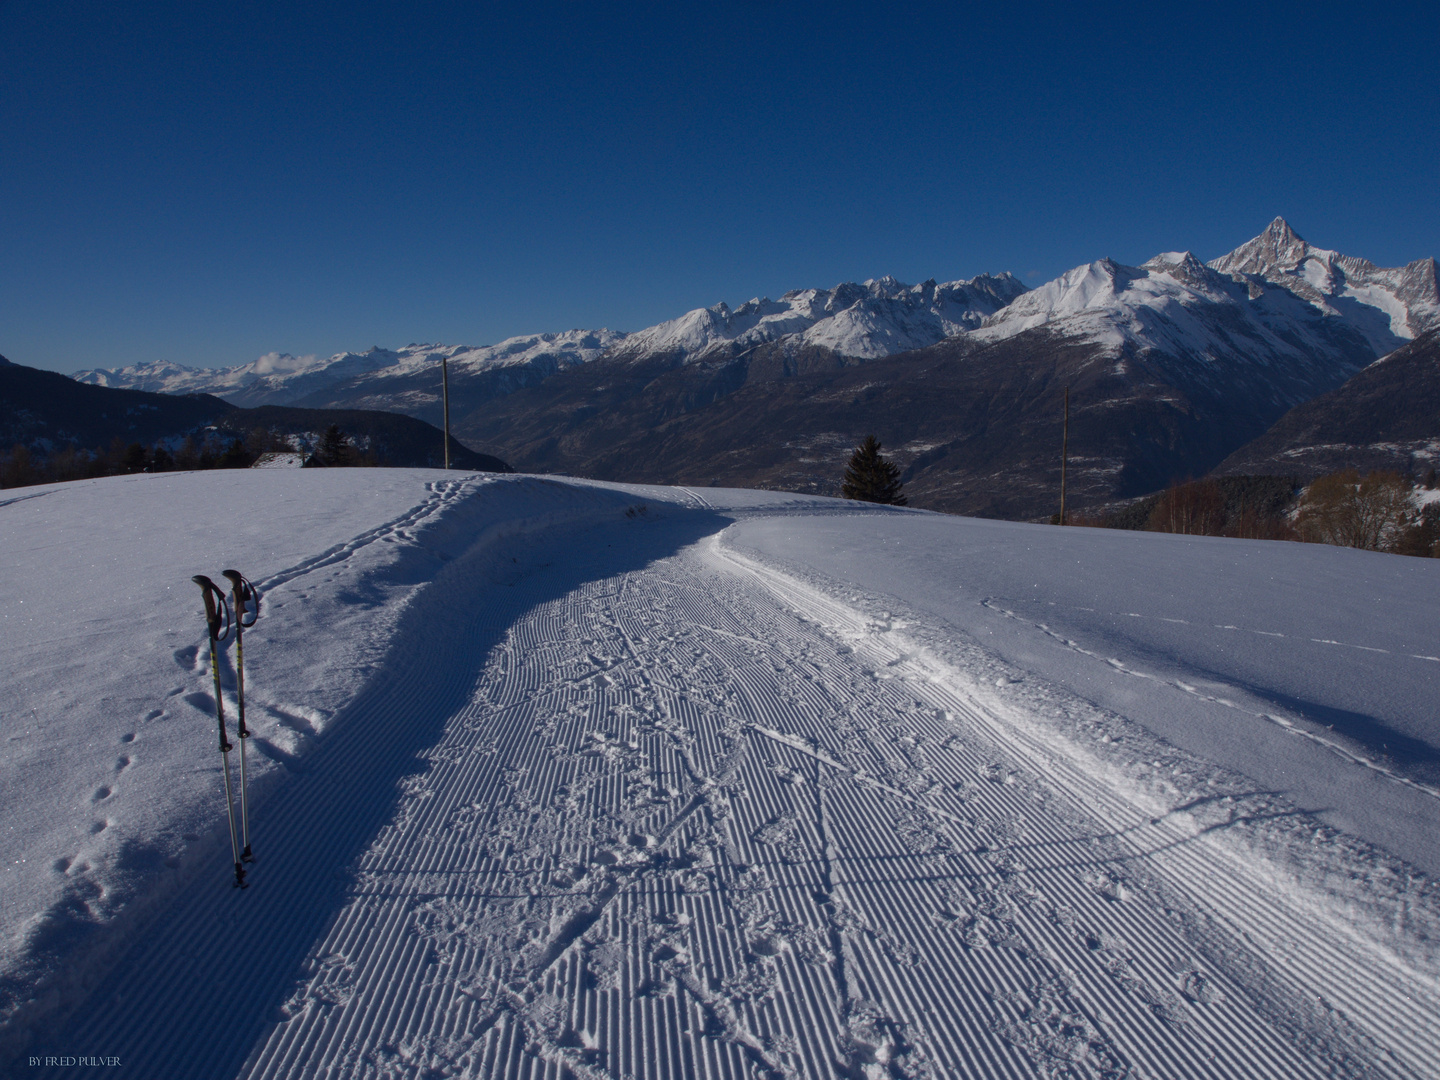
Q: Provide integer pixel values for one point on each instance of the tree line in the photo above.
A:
(22, 467)
(1376, 511)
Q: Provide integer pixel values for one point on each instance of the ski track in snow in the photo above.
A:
(1332, 745)
(673, 813)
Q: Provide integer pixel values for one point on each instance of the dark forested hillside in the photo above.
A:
(46, 412)
(1385, 417)
(390, 438)
(977, 427)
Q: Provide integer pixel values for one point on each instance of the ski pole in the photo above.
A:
(216, 611)
(244, 594)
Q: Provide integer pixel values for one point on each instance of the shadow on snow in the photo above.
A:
(198, 989)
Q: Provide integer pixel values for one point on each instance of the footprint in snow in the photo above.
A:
(1111, 888)
(1196, 986)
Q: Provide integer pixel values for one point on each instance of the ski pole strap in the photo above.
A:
(245, 594)
(217, 611)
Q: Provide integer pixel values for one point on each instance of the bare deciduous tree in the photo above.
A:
(1350, 511)
(1196, 509)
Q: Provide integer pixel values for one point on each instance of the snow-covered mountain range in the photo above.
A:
(283, 379)
(1273, 300)
(1172, 365)
(864, 321)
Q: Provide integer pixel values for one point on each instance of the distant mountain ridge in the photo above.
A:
(866, 320)
(1172, 365)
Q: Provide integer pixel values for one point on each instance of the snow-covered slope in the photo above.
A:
(553, 784)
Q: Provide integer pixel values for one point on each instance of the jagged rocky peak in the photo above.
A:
(1184, 267)
(1418, 283)
(1387, 305)
(1174, 260)
(1279, 248)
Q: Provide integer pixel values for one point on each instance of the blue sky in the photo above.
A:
(204, 183)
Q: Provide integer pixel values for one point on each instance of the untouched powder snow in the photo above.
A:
(569, 778)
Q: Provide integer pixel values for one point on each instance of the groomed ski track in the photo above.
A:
(624, 802)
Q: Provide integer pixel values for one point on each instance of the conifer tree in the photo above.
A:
(872, 478)
(335, 448)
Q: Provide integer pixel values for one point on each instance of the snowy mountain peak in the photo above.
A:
(1175, 260)
(1092, 287)
(877, 317)
(1184, 267)
(1278, 248)
(1387, 306)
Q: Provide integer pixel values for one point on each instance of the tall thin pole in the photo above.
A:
(445, 390)
(1064, 455)
(244, 593)
(215, 612)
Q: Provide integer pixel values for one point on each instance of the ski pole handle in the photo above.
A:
(245, 594)
(216, 610)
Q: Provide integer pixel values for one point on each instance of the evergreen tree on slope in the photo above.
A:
(871, 478)
(335, 449)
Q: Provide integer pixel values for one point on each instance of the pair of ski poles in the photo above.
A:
(218, 621)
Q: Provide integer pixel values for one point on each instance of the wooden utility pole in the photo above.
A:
(1064, 455)
(445, 393)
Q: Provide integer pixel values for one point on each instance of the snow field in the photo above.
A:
(797, 925)
(623, 796)
(1228, 863)
(109, 786)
